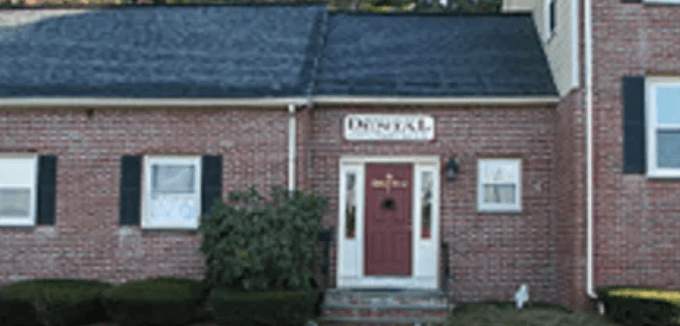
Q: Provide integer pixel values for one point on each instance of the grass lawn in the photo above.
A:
(493, 315)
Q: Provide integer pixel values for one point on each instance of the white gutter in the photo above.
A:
(165, 102)
(291, 147)
(589, 147)
(481, 100)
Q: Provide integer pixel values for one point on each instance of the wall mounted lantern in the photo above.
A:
(451, 169)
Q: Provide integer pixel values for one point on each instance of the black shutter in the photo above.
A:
(47, 186)
(211, 181)
(639, 1)
(130, 189)
(634, 155)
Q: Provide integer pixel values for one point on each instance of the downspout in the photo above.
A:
(291, 147)
(589, 147)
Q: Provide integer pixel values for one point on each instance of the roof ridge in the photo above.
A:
(319, 32)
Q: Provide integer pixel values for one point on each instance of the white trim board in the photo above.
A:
(282, 101)
(435, 100)
(425, 252)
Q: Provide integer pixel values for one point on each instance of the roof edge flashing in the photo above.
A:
(123, 102)
(470, 100)
(276, 102)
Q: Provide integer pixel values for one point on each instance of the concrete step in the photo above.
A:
(335, 321)
(387, 293)
(388, 306)
(342, 296)
(391, 313)
(385, 307)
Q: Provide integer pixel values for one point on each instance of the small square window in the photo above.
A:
(499, 185)
(172, 198)
(18, 183)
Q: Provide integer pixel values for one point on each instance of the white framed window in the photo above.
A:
(550, 16)
(499, 186)
(662, 116)
(171, 197)
(18, 189)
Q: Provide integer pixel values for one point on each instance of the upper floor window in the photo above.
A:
(663, 127)
(550, 18)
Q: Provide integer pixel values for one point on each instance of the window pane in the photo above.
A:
(173, 210)
(350, 205)
(173, 178)
(499, 194)
(15, 202)
(426, 204)
(499, 173)
(668, 104)
(17, 172)
(668, 149)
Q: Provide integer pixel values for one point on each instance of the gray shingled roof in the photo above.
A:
(201, 51)
(433, 55)
(270, 51)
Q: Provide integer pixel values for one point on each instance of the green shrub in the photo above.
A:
(162, 301)
(280, 308)
(259, 244)
(635, 305)
(52, 302)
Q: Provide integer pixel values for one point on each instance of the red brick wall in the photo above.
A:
(87, 240)
(569, 184)
(490, 254)
(637, 230)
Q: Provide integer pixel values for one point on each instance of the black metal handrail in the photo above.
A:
(325, 237)
(445, 260)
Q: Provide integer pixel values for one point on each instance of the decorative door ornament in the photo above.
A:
(389, 204)
(388, 183)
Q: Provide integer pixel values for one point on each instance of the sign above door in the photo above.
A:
(388, 127)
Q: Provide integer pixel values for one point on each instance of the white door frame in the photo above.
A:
(425, 252)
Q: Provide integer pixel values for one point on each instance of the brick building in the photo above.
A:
(615, 62)
(119, 127)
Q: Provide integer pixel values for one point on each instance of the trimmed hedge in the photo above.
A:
(279, 308)
(635, 305)
(162, 301)
(52, 302)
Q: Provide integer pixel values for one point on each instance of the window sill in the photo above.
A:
(13, 223)
(549, 38)
(499, 211)
(663, 175)
(169, 228)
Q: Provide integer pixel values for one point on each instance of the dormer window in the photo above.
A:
(550, 18)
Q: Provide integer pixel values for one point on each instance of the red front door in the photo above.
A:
(387, 243)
